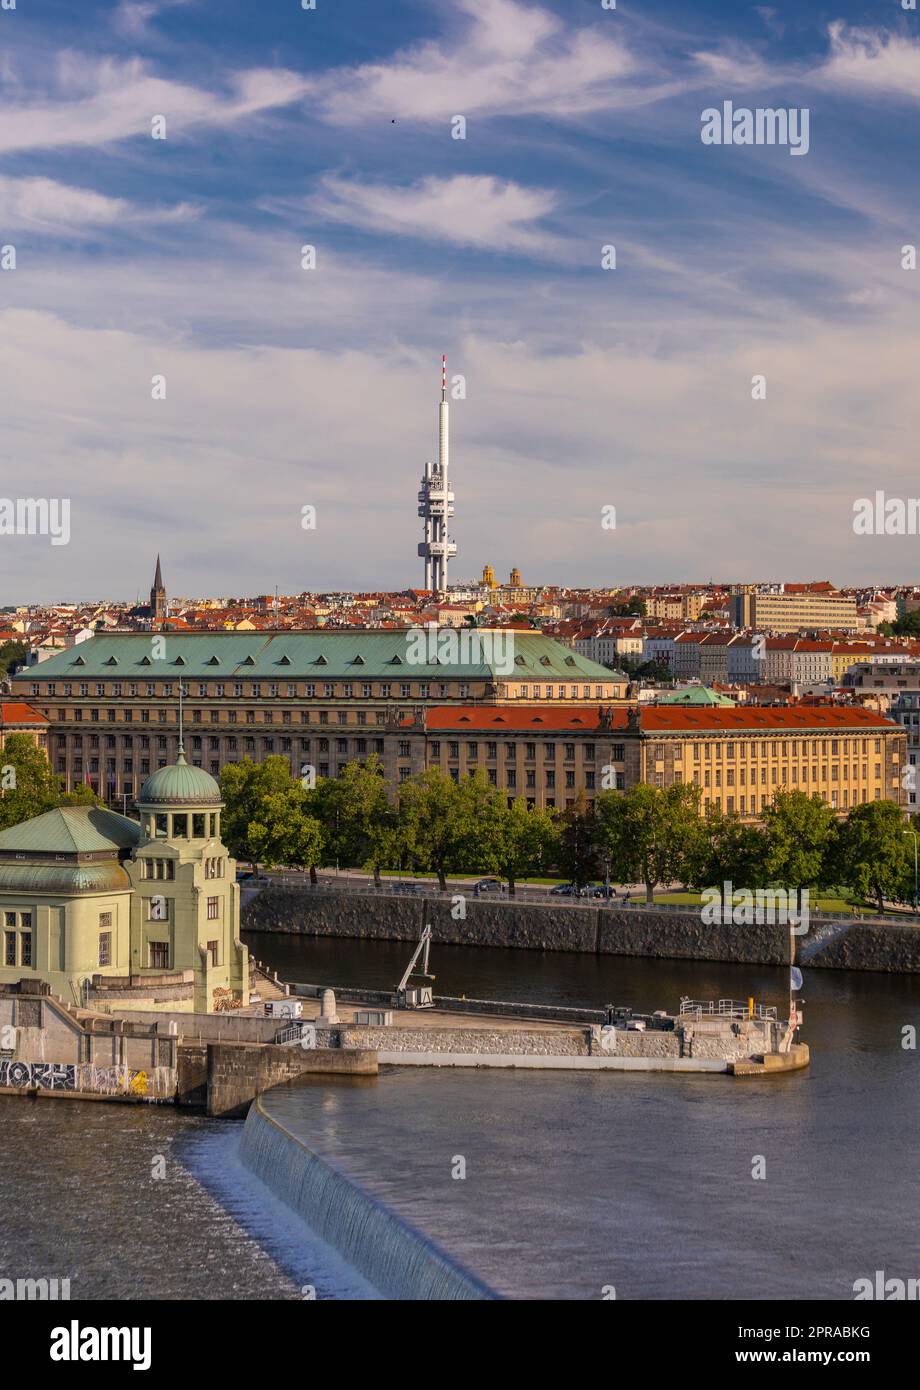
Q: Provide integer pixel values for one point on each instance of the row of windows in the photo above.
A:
(778, 748)
(838, 774)
(160, 909)
(158, 954)
(384, 690)
(193, 717)
(231, 742)
(511, 750)
(346, 690)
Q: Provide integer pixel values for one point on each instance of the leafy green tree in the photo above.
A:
(359, 823)
(438, 830)
(874, 857)
(11, 653)
(578, 854)
(652, 835)
(522, 839)
(801, 836)
(28, 787)
(283, 831)
(82, 795)
(244, 786)
(731, 851)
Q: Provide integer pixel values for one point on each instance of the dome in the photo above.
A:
(180, 785)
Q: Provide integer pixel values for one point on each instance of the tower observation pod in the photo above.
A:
(436, 502)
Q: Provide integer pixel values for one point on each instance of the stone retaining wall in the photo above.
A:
(634, 931)
(568, 1042)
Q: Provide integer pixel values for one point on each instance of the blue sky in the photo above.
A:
(584, 387)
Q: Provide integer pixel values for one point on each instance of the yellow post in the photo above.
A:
(750, 1006)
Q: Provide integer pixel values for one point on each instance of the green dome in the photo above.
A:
(180, 785)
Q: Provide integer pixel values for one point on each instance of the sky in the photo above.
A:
(584, 388)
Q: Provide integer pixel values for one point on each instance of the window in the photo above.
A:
(26, 948)
(105, 948)
(9, 954)
(213, 912)
(159, 955)
(213, 948)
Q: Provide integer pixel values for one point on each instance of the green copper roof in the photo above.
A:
(103, 877)
(359, 655)
(696, 695)
(71, 830)
(180, 785)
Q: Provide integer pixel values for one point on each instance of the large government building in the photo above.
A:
(318, 698)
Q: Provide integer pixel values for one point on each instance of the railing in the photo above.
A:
(543, 897)
(725, 1008)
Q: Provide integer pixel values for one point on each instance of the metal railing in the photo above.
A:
(725, 1008)
(543, 897)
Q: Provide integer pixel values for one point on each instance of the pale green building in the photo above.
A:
(104, 908)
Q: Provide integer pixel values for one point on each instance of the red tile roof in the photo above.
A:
(664, 718)
(15, 712)
(518, 717)
(653, 719)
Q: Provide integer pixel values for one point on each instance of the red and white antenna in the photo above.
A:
(443, 377)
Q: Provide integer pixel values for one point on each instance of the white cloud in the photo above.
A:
(92, 102)
(873, 60)
(43, 205)
(512, 59)
(468, 210)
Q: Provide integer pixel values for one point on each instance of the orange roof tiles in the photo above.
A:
(16, 712)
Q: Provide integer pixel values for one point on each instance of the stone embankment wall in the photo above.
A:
(633, 931)
(238, 1072)
(569, 1042)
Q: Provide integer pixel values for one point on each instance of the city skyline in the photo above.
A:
(584, 388)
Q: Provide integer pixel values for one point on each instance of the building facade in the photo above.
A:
(739, 758)
(319, 698)
(101, 907)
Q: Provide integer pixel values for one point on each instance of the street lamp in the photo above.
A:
(909, 831)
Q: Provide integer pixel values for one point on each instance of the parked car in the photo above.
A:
(564, 890)
(408, 888)
(601, 890)
(489, 885)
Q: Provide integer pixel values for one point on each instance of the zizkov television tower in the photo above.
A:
(436, 503)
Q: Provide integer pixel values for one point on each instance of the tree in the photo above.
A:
(731, 851)
(436, 819)
(358, 820)
(244, 786)
(578, 853)
(800, 833)
(652, 834)
(522, 839)
(874, 857)
(283, 831)
(28, 787)
(11, 654)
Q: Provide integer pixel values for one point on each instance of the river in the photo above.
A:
(543, 1184)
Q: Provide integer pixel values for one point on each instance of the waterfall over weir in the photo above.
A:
(399, 1261)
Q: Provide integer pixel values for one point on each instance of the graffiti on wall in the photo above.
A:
(56, 1076)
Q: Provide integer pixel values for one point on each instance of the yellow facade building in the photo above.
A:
(107, 910)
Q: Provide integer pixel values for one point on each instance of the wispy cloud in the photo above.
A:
(511, 59)
(43, 205)
(468, 210)
(873, 60)
(92, 102)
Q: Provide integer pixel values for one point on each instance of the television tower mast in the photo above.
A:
(436, 502)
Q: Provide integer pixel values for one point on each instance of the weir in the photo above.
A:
(398, 1260)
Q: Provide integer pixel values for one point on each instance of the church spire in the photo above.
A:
(158, 596)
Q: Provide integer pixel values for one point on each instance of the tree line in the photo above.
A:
(650, 835)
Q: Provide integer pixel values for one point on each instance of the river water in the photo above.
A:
(543, 1184)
